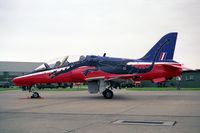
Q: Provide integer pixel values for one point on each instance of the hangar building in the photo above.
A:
(9, 70)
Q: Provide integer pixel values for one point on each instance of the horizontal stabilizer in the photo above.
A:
(178, 67)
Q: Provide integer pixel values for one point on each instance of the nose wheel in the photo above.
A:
(35, 95)
(108, 94)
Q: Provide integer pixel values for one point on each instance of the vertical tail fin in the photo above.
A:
(167, 51)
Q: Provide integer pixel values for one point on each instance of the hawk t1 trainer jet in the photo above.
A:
(100, 72)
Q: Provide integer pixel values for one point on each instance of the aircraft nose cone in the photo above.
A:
(18, 81)
(15, 80)
(22, 81)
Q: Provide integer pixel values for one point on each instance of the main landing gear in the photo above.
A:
(108, 94)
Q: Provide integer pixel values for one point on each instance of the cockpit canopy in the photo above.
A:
(60, 62)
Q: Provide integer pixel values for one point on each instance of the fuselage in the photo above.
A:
(97, 66)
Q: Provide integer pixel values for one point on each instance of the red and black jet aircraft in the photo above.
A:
(99, 71)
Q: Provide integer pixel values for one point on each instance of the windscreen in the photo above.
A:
(60, 62)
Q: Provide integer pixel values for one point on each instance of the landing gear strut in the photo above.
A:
(108, 94)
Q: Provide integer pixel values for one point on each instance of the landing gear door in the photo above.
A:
(93, 87)
(96, 84)
(102, 85)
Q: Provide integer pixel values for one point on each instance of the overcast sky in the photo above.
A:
(39, 30)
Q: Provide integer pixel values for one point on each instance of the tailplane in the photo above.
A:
(166, 53)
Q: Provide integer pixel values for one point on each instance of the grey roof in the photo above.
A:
(6, 66)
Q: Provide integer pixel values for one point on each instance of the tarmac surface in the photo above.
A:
(81, 112)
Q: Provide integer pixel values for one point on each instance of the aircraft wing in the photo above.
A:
(120, 78)
(95, 78)
(123, 77)
(117, 78)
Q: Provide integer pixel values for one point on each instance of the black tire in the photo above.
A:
(108, 94)
(35, 95)
(71, 85)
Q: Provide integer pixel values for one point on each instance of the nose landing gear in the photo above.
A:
(34, 94)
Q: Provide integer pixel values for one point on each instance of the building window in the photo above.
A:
(189, 77)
